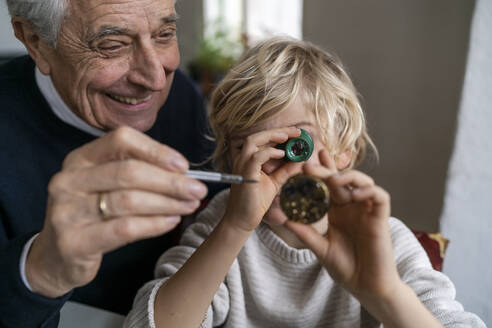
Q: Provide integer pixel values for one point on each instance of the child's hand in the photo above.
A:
(357, 249)
(249, 202)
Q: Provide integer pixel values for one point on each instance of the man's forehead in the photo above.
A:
(94, 4)
(96, 13)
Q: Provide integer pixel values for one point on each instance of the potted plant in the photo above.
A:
(216, 55)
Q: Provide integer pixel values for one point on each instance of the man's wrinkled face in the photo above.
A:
(115, 60)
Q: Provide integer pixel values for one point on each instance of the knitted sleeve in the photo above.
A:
(434, 289)
(142, 313)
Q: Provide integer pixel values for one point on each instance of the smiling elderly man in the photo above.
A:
(81, 181)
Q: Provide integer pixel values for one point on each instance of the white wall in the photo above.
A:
(9, 45)
(467, 215)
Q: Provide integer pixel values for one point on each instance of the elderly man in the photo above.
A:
(80, 180)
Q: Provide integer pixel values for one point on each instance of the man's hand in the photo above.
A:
(141, 182)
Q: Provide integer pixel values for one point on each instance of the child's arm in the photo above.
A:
(183, 300)
(357, 249)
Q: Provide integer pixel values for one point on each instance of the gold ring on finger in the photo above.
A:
(102, 206)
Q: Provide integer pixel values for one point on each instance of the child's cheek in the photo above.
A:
(314, 159)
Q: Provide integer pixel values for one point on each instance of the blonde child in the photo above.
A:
(242, 264)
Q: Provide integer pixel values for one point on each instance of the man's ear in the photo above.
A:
(36, 47)
(343, 160)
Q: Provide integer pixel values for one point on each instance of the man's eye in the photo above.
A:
(111, 46)
(167, 35)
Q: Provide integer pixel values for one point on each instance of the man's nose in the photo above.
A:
(147, 68)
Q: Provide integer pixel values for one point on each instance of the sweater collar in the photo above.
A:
(281, 249)
(266, 236)
(58, 106)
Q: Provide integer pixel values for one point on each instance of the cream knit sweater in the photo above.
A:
(271, 284)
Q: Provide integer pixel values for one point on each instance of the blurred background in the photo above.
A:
(408, 61)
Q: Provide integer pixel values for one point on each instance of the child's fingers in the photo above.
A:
(326, 169)
(254, 163)
(284, 172)
(342, 184)
(257, 142)
(318, 171)
(263, 138)
(310, 237)
(355, 178)
(249, 161)
(379, 198)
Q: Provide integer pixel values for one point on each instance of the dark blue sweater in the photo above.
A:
(33, 144)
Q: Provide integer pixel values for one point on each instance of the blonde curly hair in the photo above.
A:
(269, 77)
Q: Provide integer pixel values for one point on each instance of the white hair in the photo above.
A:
(45, 15)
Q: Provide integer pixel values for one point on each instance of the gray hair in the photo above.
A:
(45, 15)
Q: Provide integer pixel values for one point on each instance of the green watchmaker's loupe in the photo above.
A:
(298, 149)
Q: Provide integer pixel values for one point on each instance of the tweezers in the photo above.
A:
(217, 177)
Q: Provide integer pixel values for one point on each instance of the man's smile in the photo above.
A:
(129, 100)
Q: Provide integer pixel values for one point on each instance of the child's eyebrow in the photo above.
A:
(297, 124)
(303, 123)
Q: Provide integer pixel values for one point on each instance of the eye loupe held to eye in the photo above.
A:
(303, 198)
(298, 149)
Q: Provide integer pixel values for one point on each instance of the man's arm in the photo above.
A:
(115, 190)
(20, 307)
(141, 193)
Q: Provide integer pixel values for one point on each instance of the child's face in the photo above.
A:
(294, 115)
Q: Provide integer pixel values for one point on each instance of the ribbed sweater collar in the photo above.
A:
(281, 249)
